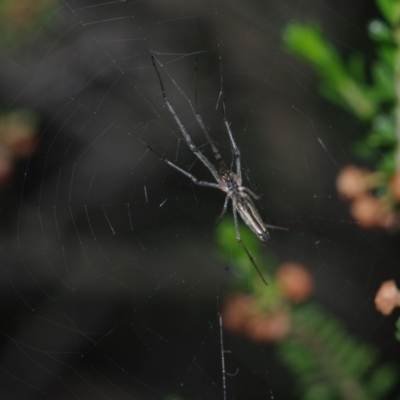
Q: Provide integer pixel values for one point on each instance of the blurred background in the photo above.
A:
(111, 282)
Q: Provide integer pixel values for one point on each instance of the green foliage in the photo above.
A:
(341, 83)
(19, 116)
(326, 361)
(19, 18)
(390, 9)
(397, 334)
(245, 276)
(226, 239)
(370, 97)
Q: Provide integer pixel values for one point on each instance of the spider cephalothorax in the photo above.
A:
(231, 180)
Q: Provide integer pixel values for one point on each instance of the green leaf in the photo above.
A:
(357, 98)
(397, 334)
(380, 31)
(387, 165)
(319, 391)
(235, 256)
(387, 54)
(338, 84)
(382, 380)
(382, 135)
(390, 10)
(358, 361)
(307, 42)
(357, 67)
(363, 150)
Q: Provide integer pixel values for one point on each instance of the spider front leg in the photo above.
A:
(235, 148)
(239, 239)
(224, 208)
(183, 130)
(182, 171)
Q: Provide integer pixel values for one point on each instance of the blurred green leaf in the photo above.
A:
(357, 67)
(384, 88)
(387, 55)
(397, 334)
(363, 150)
(390, 10)
(234, 255)
(388, 164)
(383, 379)
(330, 363)
(380, 32)
(340, 84)
(319, 391)
(19, 18)
(307, 42)
(228, 244)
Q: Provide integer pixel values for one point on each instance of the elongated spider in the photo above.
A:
(226, 179)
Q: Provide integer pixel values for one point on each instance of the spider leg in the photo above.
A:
(185, 134)
(235, 149)
(289, 228)
(239, 239)
(224, 208)
(214, 149)
(188, 174)
(251, 193)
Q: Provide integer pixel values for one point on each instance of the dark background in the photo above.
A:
(107, 293)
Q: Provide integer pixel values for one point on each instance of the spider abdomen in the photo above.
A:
(251, 217)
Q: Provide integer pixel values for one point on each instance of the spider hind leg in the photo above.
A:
(287, 228)
(240, 241)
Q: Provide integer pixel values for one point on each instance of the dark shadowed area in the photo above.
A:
(111, 283)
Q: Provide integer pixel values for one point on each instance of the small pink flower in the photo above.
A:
(387, 297)
(295, 281)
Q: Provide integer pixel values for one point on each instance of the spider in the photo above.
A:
(226, 179)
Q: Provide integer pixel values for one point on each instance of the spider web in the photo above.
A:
(111, 286)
